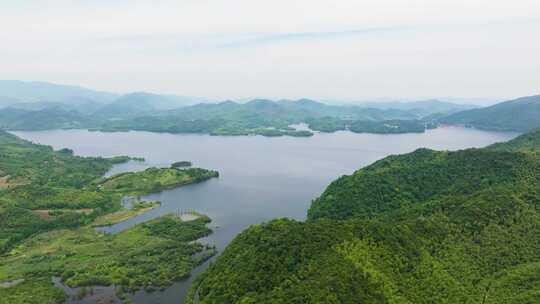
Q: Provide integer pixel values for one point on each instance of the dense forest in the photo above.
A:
(50, 201)
(425, 227)
(34, 177)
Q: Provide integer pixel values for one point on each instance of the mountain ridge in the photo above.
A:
(424, 227)
(521, 114)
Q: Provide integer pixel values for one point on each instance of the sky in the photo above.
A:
(331, 50)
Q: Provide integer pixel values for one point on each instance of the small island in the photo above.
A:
(181, 164)
(153, 180)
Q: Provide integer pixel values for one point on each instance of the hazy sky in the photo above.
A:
(337, 49)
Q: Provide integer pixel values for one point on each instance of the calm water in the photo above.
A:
(260, 179)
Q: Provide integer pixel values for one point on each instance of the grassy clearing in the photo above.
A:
(32, 291)
(50, 214)
(124, 214)
(154, 180)
(6, 182)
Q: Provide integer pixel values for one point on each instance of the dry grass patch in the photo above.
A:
(48, 214)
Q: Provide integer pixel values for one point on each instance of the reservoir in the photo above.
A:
(261, 178)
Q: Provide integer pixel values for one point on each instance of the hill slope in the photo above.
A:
(45, 119)
(50, 202)
(422, 107)
(528, 143)
(142, 103)
(426, 227)
(522, 115)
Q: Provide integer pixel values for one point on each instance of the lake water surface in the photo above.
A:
(261, 178)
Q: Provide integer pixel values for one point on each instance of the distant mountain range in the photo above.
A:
(522, 114)
(43, 106)
(423, 107)
(151, 112)
(134, 104)
(45, 119)
(40, 95)
(34, 91)
(302, 108)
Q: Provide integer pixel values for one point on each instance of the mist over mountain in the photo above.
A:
(45, 119)
(36, 95)
(81, 105)
(44, 106)
(137, 103)
(34, 91)
(425, 107)
(7, 101)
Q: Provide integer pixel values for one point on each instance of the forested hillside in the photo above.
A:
(426, 227)
(34, 177)
(45, 119)
(522, 115)
(528, 142)
(50, 202)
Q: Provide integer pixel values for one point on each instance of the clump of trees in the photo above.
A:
(181, 164)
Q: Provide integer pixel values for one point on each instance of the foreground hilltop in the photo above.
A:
(425, 227)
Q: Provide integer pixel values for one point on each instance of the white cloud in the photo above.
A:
(322, 49)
